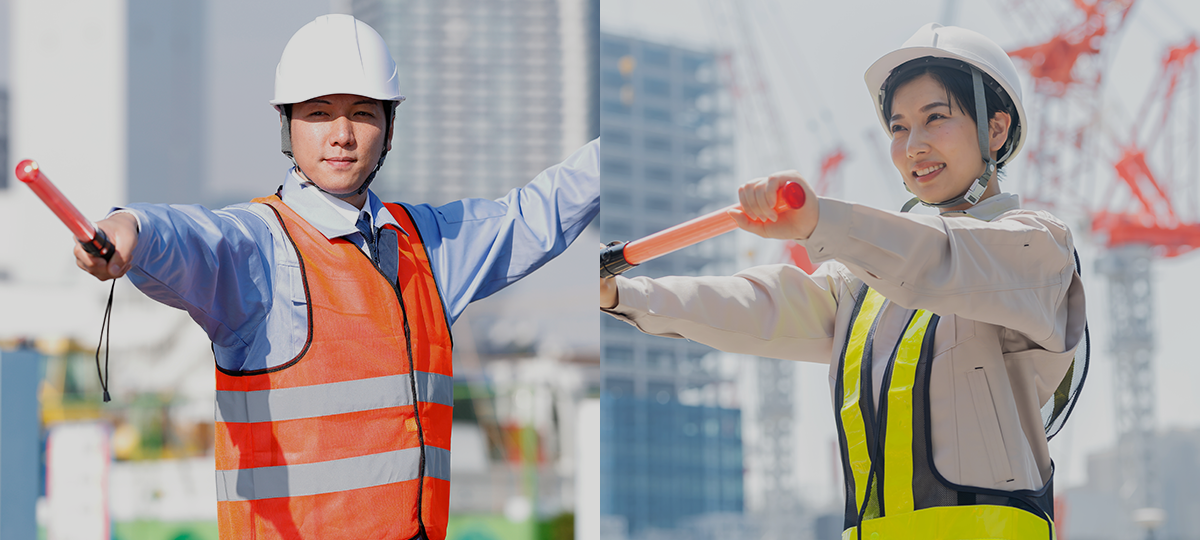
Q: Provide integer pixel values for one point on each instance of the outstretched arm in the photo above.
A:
(1015, 271)
(776, 311)
(213, 264)
(479, 246)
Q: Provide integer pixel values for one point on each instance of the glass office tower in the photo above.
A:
(671, 447)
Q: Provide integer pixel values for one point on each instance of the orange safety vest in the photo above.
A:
(332, 444)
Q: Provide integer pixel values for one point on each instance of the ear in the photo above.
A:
(998, 130)
(391, 128)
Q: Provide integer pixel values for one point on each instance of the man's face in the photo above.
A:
(337, 140)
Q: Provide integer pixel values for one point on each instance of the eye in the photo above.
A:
(935, 116)
(897, 128)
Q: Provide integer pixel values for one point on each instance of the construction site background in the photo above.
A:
(1111, 90)
(167, 102)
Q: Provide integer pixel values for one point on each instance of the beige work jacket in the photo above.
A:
(1002, 278)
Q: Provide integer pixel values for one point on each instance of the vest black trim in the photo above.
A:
(847, 472)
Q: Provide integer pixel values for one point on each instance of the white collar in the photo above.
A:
(330, 215)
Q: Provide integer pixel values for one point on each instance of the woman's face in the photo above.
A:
(934, 144)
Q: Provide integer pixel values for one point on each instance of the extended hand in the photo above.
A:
(759, 217)
(122, 232)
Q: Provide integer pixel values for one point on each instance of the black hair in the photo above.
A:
(955, 77)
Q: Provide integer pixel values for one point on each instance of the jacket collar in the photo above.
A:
(330, 215)
(990, 208)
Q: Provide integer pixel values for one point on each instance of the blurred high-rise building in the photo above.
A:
(1099, 509)
(108, 97)
(671, 445)
(497, 90)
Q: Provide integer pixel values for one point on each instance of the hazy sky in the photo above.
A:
(4, 42)
(812, 59)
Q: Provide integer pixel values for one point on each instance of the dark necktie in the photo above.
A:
(383, 247)
(368, 232)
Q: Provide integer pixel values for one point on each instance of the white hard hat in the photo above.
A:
(336, 54)
(935, 40)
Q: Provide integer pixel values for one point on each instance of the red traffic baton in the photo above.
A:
(619, 257)
(94, 241)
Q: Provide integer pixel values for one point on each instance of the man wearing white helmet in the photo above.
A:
(951, 339)
(330, 311)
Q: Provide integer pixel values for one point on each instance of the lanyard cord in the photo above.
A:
(106, 340)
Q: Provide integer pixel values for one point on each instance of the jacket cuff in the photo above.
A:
(831, 232)
(143, 232)
(631, 300)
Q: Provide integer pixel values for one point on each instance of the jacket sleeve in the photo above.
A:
(479, 246)
(776, 311)
(1014, 271)
(213, 264)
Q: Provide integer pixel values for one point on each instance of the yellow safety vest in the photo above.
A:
(887, 452)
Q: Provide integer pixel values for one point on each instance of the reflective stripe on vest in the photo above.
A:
(333, 398)
(332, 444)
(851, 413)
(897, 445)
(955, 523)
(330, 476)
(893, 478)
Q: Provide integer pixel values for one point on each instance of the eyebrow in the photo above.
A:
(928, 107)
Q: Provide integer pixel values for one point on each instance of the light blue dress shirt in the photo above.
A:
(236, 273)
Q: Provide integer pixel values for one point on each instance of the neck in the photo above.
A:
(354, 198)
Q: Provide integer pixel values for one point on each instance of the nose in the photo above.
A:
(342, 132)
(917, 143)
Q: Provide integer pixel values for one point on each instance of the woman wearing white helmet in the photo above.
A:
(330, 310)
(951, 339)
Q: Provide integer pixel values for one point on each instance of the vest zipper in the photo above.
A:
(412, 370)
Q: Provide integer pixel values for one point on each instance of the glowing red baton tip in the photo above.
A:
(94, 241)
(792, 195)
(789, 197)
(27, 170)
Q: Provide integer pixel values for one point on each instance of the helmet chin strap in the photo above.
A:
(975, 192)
(285, 135)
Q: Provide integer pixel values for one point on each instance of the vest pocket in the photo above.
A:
(989, 426)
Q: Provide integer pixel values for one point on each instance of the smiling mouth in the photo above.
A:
(929, 170)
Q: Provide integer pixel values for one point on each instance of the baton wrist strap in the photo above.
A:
(105, 340)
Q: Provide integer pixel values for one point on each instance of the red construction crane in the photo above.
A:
(1149, 206)
(1155, 219)
(1067, 70)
